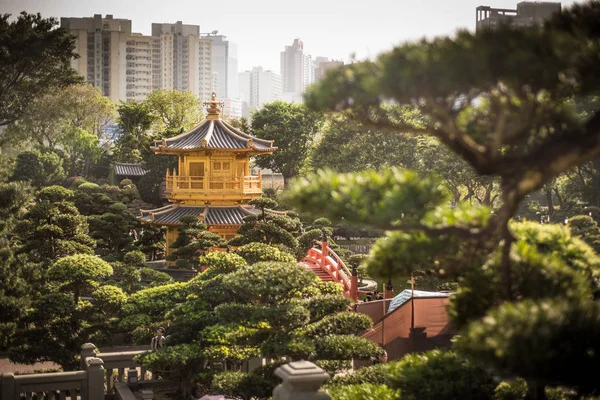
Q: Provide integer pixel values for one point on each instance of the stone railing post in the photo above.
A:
(87, 350)
(95, 379)
(8, 386)
(302, 380)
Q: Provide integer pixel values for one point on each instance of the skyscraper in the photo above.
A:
(323, 64)
(225, 65)
(126, 65)
(296, 71)
(182, 59)
(527, 13)
(258, 87)
(98, 43)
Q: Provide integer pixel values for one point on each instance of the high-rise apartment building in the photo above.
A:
(182, 59)
(258, 87)
(323, 64)
(225, 66)
(98, 43)
(126, 65)
(296, 71)
(527, 13)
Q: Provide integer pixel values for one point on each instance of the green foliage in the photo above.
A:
(257, 281)
(343, 347)
(366, 391)
(113, 229)
(80, 145)
(220, 263)
(244, 385)
(570, 329)
(173, 110)
(257, 252)
(512, 390)
(156, 278)
(373, 374)
(320, 306)
(109, 299)
(193, 241)
(585, 228)
(14, 285)
(36, 60)
(78, 273)
(40, 169)
(349, 146)
(376, 199)
(293, 128)
(68, 118)
(546, 263)
(441, 375)
(135, 119)
(157, 301)
(170, 358)
(52, 229)
(268, 227)
(350, 323)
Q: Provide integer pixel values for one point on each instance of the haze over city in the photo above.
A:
(261, 29)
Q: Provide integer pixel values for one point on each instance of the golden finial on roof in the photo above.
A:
(213, 107)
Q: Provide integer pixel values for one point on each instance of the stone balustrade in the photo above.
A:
(301, 380)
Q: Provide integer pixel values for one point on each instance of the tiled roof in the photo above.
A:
(215, 134)
(123, 169)
(407, 294)
(170, 215)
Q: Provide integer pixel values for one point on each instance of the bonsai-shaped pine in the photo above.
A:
(584, 227)
(194, 240)
(268, 227)
(60, 320)
(508, 112)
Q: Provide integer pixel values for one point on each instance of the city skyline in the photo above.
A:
(262, 29)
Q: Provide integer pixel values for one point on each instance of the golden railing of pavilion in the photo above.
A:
(215, 184)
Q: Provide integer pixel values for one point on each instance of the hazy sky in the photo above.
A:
(261, 28)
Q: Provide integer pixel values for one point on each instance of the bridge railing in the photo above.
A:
(331, 263)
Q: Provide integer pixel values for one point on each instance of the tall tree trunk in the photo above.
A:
(535, 391)
(595, 200)
(549, 202)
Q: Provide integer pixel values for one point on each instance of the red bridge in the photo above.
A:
(329, 267)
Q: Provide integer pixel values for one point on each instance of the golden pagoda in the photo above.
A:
(213, 179)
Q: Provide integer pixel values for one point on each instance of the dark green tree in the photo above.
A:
(268, 227)
(36, 59)
(346, 145)
(114, 230)
(135, 120)
(14, 287)
(40, 168)
(293, 128)
(505, 111)
(584, 227)
(59, 321)
(52, 228)
(193, 241)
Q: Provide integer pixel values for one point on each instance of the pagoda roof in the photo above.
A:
(211, 215)
(125, 169)
(214, 134)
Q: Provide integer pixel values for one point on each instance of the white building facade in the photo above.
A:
(129, 66)
(296, 71)
(258, 87)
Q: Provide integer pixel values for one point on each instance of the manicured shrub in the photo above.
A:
(367, 391)
(439, 375)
